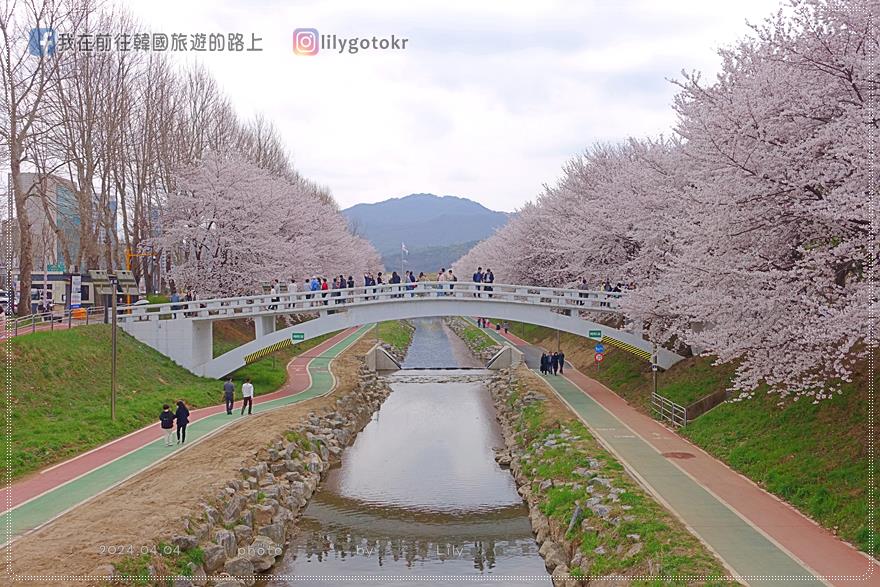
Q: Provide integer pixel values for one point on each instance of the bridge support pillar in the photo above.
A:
(378, 359)
(264, 325)
(506, 357)
(189, 343)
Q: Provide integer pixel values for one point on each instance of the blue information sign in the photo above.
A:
(600, 348)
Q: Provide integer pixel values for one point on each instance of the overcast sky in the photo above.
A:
(487, 101)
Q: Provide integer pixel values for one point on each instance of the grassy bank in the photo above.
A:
(812, 456)
(476, 339)
(397, 333)
(61, 390)
(634, 536)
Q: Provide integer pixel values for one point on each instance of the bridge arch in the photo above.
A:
(185, 332)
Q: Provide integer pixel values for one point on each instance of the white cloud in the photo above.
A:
(487, 102)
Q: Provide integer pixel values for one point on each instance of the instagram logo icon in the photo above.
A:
(305, 41)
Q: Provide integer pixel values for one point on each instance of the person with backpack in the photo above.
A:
(182, 417)
(229, 395)
(247, 396)
(166, 421)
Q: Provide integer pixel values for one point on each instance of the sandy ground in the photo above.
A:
(154, 503)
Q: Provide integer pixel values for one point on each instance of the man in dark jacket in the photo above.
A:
(166, 420)
(478, 278)
(544, 363)
(561, 362)
(182, 417)
(229, 395)
(554, 362)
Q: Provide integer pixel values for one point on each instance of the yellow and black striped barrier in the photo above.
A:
(627, 347)
(257, 355)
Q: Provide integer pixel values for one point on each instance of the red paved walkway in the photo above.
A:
(803, 538)
(298, 380)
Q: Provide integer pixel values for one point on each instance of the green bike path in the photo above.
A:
(746, 551)
(47, 506)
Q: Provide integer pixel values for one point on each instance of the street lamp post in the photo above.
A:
(113, 281)
(654, 365)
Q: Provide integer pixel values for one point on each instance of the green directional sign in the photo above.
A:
(298, 336)
(597, 334)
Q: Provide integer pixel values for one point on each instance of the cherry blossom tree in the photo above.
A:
(231, 225)
(752, 232)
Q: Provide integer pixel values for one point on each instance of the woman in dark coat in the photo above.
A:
(182, 417)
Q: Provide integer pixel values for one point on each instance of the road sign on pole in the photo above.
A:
(600, 348)
(298, 336)
(597, 334)
(599, 357)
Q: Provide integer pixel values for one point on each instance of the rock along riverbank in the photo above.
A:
(239, 533)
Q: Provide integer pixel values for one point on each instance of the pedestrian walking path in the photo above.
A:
(759, 537)
(40, 498)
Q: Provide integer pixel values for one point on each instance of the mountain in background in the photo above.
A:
(437, 230)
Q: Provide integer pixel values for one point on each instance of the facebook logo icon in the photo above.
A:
(42, 42)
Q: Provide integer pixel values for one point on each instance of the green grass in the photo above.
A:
(158, 299)
(475, 338)
(61, 390)
(813, 456)
(397, 333)
(666, 545)
(166, 559)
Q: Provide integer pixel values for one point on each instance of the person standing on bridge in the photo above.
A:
(166, 420)
(229, 395)
(247, 396)
(395, 280)
(478, 278)
(422, 278)
(182, 417)
(583, 286)
(488, 277)
(292, 288)
(325, 288)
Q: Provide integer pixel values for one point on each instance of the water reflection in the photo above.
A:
(419, 497)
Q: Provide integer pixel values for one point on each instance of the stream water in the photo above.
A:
(419, 498)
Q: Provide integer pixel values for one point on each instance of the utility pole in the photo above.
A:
(654, 366)
(113, 281)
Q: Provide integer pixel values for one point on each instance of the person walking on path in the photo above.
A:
(561, 362)
(166, 420)
(554, 362)
(229, 395)
(182, 417)
(543, 363)
(247, 396)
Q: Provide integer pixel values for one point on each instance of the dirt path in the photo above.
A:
(155, 502)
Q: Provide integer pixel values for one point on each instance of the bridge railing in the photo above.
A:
(341, 299)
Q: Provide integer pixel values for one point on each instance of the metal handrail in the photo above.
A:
(669, 410)
(341, 299)
(35, 321)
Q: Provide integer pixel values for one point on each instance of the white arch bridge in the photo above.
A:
(183, 330)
